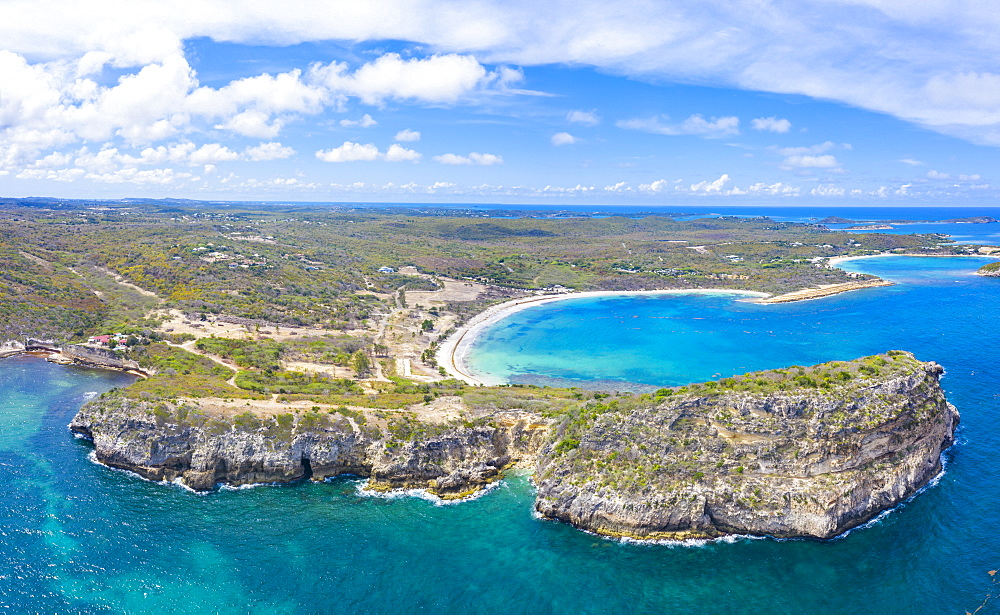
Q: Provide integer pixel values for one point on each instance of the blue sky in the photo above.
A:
(832, 102)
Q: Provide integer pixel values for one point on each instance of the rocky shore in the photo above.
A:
(807, 452)
(72, 354)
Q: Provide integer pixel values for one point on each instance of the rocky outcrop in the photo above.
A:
(175, 442)
(95, 357)
(753, 457)
(11, 348)
(807, 452)
(990, 270)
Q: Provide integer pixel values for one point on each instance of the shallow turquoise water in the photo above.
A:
(75, 536)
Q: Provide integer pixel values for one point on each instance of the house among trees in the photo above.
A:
(386, 270)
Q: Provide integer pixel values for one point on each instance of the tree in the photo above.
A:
(427, 325)
(360, 363)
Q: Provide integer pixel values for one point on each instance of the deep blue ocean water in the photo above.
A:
(78, 537)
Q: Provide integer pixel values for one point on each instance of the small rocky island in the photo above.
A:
(795, 452)
(990, 270)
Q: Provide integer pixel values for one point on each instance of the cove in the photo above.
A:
(78, 536)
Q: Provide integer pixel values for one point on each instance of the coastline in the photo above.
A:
(55, 356)
(451, 353)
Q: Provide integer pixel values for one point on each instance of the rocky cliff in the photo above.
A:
(807, 452)
(175, 441)
(796, 452)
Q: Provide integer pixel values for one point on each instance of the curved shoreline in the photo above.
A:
(451, 353)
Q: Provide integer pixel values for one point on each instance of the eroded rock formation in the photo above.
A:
(806, 452)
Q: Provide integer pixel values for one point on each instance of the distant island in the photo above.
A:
(869, 227)
(883, 224)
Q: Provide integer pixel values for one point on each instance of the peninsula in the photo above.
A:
(797, 452)
(294, 342)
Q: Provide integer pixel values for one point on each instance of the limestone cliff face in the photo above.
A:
(807, 463)
(164, 442)
(807, 452)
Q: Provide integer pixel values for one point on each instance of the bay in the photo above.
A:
(76, 536)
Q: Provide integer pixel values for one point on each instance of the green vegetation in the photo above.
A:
(177, 373)
(320, 266)
(990, 268)
(621, 441)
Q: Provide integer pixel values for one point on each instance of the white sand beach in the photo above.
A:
(452, 352)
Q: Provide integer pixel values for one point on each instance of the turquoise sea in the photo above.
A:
(78, 537)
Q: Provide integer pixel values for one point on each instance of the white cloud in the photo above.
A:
(349, 152)
(810, 162)
(969, 178)
(407, 135)
(252, 123)
(932, 174)
(771, 124)
(932, 63)
(827, 190)
(694, 125)
(436, 79)
(211, 153)
(655, 187)
(354, 152)
(809, 149)
(713, 186)
(619, 187)
(587, 118)
(366, 121)
(474, 158)
(904, 189)
(911, 161)
(398, 153)
(563, 138)
(268, 151)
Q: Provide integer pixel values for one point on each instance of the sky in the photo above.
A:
(800, 102)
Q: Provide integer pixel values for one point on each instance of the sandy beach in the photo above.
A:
(451, 354)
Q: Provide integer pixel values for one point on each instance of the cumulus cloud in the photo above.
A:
(771, 124)
(563, 138)
(786, 47)
(932, 174)
(586, 118)
(694, 125)
(473, 158)
(268, 151)
(436, 79)
(713, 186)
(398, 153)
(355, 152)
(366, 121)
(655, 186)
(349, 152)
(407, 135)
(50, 105)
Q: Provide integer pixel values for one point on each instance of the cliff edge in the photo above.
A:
(807, 452)
(803, 451)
